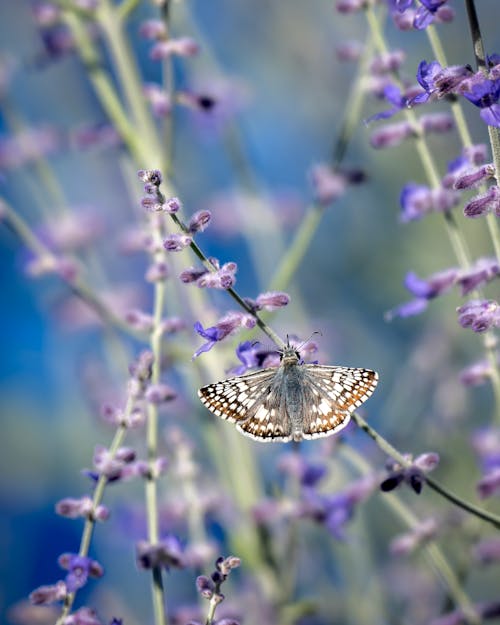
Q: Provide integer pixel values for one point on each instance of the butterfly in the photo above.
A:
(293, 401)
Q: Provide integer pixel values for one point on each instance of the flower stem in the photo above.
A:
(391, 451)
(88, 529)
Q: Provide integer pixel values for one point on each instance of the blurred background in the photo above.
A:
(282, 91)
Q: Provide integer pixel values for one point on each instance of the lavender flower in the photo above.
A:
(45, 595)
(167, 553)
(177, 242)
(487, 551)
(74, 508)
(483, 271)
(419, 535)
(327, 184)
(79, 569)
(424, 290)
(484, 93)
(83, 616)
(431, 10)
(479, 315)
(414, 475)
(227, 325)
(480, 205)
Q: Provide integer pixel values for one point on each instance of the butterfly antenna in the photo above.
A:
(304, 342)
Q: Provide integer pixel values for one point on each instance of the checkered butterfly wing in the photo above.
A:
(254, 402)
(331, 395)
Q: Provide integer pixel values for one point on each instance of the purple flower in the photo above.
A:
(483, 271)
(480, 205)
(391, 135)
(177, 242)
(112, 465)
(45, 595)
(429, 10)
(423, 290)
(79, 569)
(479, 315)
(438, 81)
(153, 29)
(183, 46)
(394, 96)
(487, 551)
(222, 278)
(413, 475)
(387, 62)
(419, 534)
(159, 100)
(484, 93)
(327, 184)
(476, 374)
(349, 50)
(168, 552)
(489, 485)
(472, 178)
(230, 323)
(199, 221)
(74, 508)
(415, 201)
(159, 393)
(83, 616)
(486, 444)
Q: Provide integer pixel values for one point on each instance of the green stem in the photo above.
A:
(88, 529)
(391, 451)
(47, 258)
(431, 549)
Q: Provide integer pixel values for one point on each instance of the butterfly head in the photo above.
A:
(289, 355)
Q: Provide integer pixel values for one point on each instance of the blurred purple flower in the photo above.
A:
(423, 290)
(349, 50)
(83, 507)
(486, 444)
(391, 135)
(480, 205)
(429, 10)
(199, 221)
(479, 315)
(228, 324)
(413, 475)
(177, 242)
(476, 374)
(158, 98)
(45, 595)
(394, 96)
(484, 93)
(327, 184)
(183, 46)
(79, 569)
(82, 616)
(472, 178)
(483, 271)
(421, 533)
(166, 553)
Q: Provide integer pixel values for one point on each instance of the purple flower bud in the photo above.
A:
(150, 175)
(184, 46)
(349, 50)
(487, 551)
(153, 29)
(199, 221)
(475, 374)
(420, 534)
(157, 272)
(272, 300)
(152, 204)
(436, 122)
(416, 201)
(205, 586)
(74, 508)
(350, 6)
(225, 565)
(160, 101)
(490, 484)
(479, 315)
(192, 274)
(159, 393)
(387, 62)
(433, 286)
(471, 179)
(427, 462)
(327, 184)
(139, 320)
(177, 242)
(166, 553)
(391, 135)
(483, 271)
(83, 616)
(482, 204)
(79, 569)
(173, 205)
(45, 595)
(172, 325)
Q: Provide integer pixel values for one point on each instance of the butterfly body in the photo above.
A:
(291, 402)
